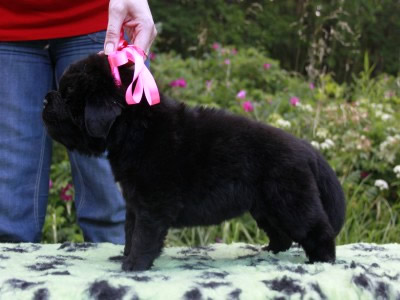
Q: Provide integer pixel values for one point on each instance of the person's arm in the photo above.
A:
(135, 16)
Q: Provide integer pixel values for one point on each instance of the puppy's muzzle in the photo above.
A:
(50, 97)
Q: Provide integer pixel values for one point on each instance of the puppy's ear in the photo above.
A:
(99, 117)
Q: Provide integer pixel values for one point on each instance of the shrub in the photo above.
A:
(313, 37)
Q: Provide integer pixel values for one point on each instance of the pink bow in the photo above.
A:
(145, 81)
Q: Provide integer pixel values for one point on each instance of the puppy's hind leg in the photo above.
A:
(278, 240)
(319, 244)
(302, 217)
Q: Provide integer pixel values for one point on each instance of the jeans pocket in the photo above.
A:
(98, 37)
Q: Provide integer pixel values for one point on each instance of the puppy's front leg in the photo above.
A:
(129, 228)
(147, 242)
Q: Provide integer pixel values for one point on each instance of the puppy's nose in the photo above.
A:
(49, 97)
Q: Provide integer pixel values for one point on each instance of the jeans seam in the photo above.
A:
(38, 179)
(81, 183)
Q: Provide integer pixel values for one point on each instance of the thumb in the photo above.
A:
(115, 20)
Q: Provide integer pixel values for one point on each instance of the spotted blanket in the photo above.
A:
(219, 271)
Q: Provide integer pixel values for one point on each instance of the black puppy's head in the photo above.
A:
(81, 113)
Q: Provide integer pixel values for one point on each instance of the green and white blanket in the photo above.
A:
(219, 271)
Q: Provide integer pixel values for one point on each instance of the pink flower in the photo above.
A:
(50, 184)
(216, 46)
(267, 66)
(241, 94)
(311, 86)
(180, 82)
(64, 193)
(208, 84)
(227, 61)
(234, 51)
(152, 56)
(247, 106)
(294, 101)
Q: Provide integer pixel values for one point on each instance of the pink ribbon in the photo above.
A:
(145, 81)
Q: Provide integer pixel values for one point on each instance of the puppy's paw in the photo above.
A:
(127, 250)
(135, 265)
(276, 248)
(327, 258)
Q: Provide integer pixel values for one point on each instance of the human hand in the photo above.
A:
(135, 16)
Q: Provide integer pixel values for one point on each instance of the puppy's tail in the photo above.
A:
(331, 192)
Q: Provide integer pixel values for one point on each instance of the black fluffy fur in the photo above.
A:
(181, 166)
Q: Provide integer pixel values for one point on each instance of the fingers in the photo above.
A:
(116, 15)
(135, 16)
(145, 34)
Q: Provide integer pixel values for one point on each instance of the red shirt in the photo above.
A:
(23, 20)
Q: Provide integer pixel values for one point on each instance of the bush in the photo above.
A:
(310, 37)
(354, 126)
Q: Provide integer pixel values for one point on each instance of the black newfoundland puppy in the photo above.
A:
(181, 166)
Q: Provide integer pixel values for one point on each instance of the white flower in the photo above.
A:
(322, 133)
(324, 146)
(381, 184)
(327, 144)
(304, 107)
(385, 117)
(388, 149)
(315, 144)
(390, 140)
(283, 123)
(330, 142)
(397, 171)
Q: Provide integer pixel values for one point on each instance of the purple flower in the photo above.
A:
(241, 94)
(227, 61)
(364, 174)
(180, 82)
(64, 195)
(294, 101)
(267, 66)
(50, 184)
(216, 46)
(247, 106)
(208, 84)
(311, 86)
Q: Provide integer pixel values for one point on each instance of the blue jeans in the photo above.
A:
(28, 70)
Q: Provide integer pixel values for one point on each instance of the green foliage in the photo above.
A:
(354, 125)
(60, 223)
(311, 37)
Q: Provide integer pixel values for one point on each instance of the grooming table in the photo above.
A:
(218, 271)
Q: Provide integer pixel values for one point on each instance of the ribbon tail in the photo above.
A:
(135, 97)
(139, 63)
(138, 92)
(116, 76)
(150, 89)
